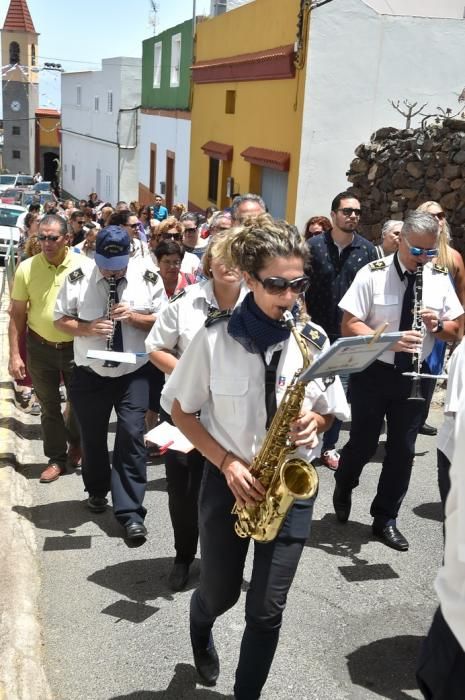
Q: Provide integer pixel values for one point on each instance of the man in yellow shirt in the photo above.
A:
(49, 351)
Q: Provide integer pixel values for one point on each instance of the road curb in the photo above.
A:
(22, 673)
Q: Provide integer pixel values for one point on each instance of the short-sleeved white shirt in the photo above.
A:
(180, 320)
(450, 581)
(87, 299)
(223, 381)
(376, 294)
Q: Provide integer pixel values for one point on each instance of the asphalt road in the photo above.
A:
(112, 629)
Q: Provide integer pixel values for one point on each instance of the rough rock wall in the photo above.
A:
(401, 168)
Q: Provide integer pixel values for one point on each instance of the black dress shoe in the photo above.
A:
(342, 502)
(391, 536)
(136, 531)
(427, 429)
(178, 576)
(207, 664)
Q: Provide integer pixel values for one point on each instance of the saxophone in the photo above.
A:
(285, 476)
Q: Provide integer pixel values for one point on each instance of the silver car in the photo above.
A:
(9, 232)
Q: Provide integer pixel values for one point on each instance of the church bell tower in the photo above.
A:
(20, 88)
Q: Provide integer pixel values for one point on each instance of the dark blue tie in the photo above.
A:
(404, 360)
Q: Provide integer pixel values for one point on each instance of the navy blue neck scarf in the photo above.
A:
(253, 329)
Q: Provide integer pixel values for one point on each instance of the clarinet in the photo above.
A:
(415, 394)
(111, 301)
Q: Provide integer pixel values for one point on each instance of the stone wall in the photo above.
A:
(401, 168)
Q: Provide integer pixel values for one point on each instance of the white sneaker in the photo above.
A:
(330, 459)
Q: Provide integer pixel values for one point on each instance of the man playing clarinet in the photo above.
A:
(111, 306)
(412, 295)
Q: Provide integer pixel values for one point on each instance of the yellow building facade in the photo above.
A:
(247, 107)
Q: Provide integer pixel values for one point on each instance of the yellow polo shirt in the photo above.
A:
(38, 282)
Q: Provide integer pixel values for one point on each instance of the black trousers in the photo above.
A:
(183, 477)
(377, 392)
(221, 572)
(93, 398)
(443, 465)
(441, 665)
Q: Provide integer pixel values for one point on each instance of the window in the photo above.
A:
(16, 130)
(33, 55)
(96, 104)
(213, 172)
(14, 52)
(157, 65)
(109, 101)
(73, 172)
(78, 95)
(98, 180)
(16, 154)
(230, 102)
(175, 60)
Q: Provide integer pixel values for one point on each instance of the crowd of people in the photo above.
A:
(178, 317)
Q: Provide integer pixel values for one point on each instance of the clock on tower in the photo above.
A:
(20, 88)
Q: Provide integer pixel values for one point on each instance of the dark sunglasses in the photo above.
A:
(440, 215)
(190, 230)
(277, 285)
(54, 239)
(174, 236)
(80, 222)
(348, 211)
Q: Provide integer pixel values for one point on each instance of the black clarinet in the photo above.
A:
(111, 301)
(415, 394)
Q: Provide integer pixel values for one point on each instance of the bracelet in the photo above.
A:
(226, 454)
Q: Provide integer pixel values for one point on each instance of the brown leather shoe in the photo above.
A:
(74, 457)
(51, 473)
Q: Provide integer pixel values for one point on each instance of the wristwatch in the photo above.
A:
(439, 327)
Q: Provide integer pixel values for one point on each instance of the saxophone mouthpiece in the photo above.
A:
(288, 319)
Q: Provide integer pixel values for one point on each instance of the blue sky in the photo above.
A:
(79, 33)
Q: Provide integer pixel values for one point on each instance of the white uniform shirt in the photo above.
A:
(179, 321)
(455, 384)
(375, 296)
(87, 299)
(450, 580)
(218, 377)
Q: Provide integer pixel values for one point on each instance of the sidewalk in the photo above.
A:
(22, 675)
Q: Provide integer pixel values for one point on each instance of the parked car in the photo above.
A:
(29, 196)
(11, 196)
(43, 187)
(18, 180)
(9, 214)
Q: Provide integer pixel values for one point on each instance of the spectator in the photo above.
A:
(245, 206)
(389, 238)
(315, 225)
(160, 213)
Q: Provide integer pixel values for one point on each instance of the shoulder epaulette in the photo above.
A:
(313, 335)
(215, 315)
(441, 268)
(177, 296)
(150, 276)
(76, 275)
(377, 265)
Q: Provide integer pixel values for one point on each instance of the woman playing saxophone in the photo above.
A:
(235, 372)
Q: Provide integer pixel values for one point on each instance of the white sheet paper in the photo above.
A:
(129, 357)
(166, 435)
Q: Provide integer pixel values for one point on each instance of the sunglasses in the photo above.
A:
(277, 285)
(414, 250)
(174, 236)
(440, 215)
(190, 230)
(54, 239)
(348, 211)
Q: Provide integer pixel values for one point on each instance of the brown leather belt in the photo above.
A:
(43, 341)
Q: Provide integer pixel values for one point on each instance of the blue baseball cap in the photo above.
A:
(112, 247)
